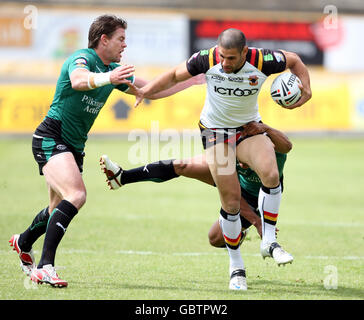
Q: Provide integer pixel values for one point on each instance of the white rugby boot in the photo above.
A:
(275, 251)
(238, 280)
(112, 171)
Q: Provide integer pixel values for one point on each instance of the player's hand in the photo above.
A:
(133, 89)
(253, 128)
(139, 97)
(306, 95)
(119, 74)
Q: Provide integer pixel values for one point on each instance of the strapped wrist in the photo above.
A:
(96, 80)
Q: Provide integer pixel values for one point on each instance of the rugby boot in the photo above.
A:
(47, 274)
(275, 251)
(112, 171)
(27, 260)
(238, 280)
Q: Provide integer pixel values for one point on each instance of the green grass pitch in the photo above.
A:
(149, 241)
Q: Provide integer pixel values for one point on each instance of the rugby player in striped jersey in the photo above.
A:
(234, 75)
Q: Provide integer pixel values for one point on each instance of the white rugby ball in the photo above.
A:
(285, 90)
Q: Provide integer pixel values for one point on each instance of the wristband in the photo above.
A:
(96, 80)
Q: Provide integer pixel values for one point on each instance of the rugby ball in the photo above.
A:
(285, 90)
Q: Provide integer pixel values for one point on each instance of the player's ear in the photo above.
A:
(245, 50)
(104, 39)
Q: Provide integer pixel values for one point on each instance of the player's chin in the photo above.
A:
(117, 58)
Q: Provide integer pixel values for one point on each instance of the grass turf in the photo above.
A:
(149, 241)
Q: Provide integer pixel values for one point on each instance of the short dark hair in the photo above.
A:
(105, 24)
(232, 38)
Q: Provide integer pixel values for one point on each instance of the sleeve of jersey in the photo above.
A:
(274, 61)
(82, 61)
(124, 87)
(200, 62)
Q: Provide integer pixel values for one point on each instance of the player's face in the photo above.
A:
(116, 45)
(232, 59)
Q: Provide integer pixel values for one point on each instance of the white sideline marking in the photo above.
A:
(186, 254)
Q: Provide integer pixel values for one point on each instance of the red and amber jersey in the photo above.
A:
(231, 99)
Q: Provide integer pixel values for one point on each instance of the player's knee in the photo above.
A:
(77, 198)
(231, 202)
(216, 240)
(270, 178)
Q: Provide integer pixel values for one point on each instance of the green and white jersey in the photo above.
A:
(250, 181)
(77, 110)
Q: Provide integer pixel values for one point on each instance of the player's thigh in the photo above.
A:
(258, 152)
(64, 178)
(221, 159)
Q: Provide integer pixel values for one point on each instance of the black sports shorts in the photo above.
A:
(213, 136)
(46, 144)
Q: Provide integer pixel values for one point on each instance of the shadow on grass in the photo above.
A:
(131, 286)
(302, 290)
(257, 289)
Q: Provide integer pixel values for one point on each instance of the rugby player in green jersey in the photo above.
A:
(87, 79)
(197, 168)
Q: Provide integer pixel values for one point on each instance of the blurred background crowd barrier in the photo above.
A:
(36, 37)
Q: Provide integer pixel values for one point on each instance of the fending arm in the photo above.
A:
(164, 82)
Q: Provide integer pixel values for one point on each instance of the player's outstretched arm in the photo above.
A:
(297, 67)
(83, 80)
(196, 80)
(281, 142)
(163, 82)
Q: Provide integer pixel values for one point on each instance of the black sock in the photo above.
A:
(35, 230)
(159, 171)
(56, 228)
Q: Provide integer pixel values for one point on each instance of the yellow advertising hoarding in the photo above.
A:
(22, 108)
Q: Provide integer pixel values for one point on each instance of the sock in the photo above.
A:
(35, 230)
(231, 230)
(269, 201)
(56, 228)
(159, 171)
